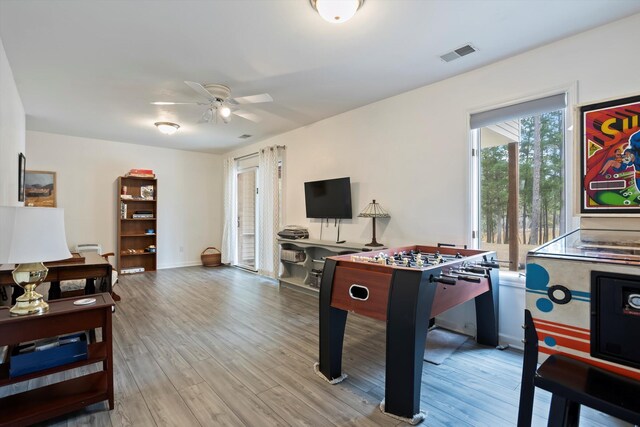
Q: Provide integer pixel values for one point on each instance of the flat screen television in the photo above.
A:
(330, 198)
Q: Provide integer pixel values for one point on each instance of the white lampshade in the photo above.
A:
(32, 235)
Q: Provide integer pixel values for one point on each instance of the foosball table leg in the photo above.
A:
(487, 312)
(408, 319)
(332, 324)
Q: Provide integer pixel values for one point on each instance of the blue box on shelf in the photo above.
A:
(38, 356)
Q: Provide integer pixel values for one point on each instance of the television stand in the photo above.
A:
(300, 275)
(338, 236)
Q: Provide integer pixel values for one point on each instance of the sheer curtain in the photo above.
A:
(269, 215)
(229, 231)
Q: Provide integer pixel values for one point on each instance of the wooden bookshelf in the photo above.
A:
(132, 231)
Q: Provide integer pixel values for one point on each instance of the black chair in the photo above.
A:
(573, 383)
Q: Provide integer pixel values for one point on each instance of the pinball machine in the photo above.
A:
(583, 291)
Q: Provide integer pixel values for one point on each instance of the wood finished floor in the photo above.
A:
(223, 347)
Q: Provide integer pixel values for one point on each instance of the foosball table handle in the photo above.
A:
(490, 264)
(474, 279)
(443, 280)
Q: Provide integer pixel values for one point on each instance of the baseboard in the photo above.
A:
(457, 327)
(470, 329)
(180, 264)
(514, 342)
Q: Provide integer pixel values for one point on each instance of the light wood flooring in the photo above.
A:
(223, 347)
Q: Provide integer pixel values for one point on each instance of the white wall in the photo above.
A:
(189, 192)
(412, 152)
(12, 133)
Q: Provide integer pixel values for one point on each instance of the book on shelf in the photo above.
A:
(47, 353)
(140, 173)
(137, 175)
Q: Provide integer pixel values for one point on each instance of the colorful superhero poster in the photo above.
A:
(610, 154)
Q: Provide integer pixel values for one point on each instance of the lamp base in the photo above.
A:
(374, 244)
(29, 276)
(30, 302)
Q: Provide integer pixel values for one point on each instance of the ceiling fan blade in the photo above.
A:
(252, 99)
(247, 115)
(177, 103)
(200, 89)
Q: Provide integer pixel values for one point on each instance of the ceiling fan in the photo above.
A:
(219, 103)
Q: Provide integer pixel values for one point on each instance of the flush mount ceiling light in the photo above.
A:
(336, 11)
(167, 128)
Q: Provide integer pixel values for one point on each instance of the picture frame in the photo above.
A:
(610, 157)
(22, 166)
(147, 192)
(40, 189)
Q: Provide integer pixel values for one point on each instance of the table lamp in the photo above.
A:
(29, 237)
(373, 210)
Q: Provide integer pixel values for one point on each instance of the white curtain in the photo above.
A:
(230, 219)
(269, 215)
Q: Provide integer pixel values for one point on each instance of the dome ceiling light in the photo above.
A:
(336, 11)
(167, 128)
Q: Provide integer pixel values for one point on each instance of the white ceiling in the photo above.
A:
(90, 68)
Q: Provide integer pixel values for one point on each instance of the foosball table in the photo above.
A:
(406, 287)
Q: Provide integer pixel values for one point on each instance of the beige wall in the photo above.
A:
(189, 192)
(12, 131)
(411, 152)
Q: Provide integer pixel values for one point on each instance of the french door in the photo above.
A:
(247, 217)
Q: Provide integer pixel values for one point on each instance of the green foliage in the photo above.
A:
(494, 180)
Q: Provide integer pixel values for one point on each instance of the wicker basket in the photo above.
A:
(211, 257)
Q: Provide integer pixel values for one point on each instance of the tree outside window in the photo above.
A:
(526, 213)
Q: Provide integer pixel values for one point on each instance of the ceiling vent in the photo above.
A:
(245, 136)
(458, 53)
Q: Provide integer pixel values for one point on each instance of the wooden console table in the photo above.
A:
(53, 400)
(94, 266)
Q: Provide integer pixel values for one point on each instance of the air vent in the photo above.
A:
(458, 53)
(245, 136)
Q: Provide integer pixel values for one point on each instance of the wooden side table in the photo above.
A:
(53, 400)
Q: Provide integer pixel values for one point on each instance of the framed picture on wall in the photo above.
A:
(22, 165)
(40, 189)
(610, 156)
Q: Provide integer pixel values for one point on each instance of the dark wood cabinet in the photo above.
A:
(136, 236)
(56, 399)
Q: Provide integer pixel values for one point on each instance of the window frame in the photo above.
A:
(571, 156)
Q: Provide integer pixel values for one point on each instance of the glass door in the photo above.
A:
(247, 204)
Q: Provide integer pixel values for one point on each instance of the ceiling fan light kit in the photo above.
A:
(167, 128)
(225, 112)
(336, 11)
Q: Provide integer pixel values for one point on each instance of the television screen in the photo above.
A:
(330, 198)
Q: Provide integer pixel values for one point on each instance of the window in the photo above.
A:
(519, 156)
